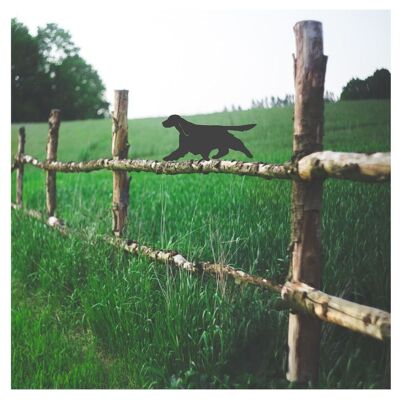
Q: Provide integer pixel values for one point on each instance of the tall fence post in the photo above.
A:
(51, 150)
(120, 147)
(20, 168)
(309, 65)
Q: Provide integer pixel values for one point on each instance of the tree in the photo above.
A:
(379, 84)
(55, 44)
(329, 97)
(24, 67)
(48, 72)
(376, 86)
(75, 79)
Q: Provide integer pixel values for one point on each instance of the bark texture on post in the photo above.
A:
(309, 65)
(20, 168)
(120, 147)
(51, 151)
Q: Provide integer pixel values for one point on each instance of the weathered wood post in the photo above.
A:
(20, 167)
(120, 147)
(309, 66)
(51, 150)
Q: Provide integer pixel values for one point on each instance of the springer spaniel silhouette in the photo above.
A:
(202, 139)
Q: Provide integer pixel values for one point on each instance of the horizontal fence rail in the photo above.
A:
(326, 164)
(267, 171)
(356, 317)
(355, 166)
(297, 296)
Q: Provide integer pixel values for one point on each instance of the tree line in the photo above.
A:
(376, 86)
(47, 72)
(276, 101)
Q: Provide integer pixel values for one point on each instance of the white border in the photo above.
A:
(8, 10)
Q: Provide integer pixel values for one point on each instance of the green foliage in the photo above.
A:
(25, 61)
(87, 315)
(47, 72)
(55, 45)
(75, 84)
(376, 86)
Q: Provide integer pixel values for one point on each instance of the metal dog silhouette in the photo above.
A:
(202, 139)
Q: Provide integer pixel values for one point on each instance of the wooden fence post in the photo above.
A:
(52, 144)
(20, 168)
(120, 147)
(309, 66)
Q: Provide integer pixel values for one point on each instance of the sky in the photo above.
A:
(198, 61)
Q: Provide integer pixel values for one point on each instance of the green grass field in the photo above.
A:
(85, 315)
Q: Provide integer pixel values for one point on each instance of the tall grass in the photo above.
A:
(85, 315)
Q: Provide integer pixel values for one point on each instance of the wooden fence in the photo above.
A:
(307, 169)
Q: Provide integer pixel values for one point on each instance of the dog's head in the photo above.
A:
(172, 120)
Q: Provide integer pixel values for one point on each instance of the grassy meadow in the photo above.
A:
(85, 315)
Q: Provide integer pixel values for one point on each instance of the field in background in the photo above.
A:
(85, 315)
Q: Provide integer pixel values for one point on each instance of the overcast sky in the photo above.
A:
(191, 61)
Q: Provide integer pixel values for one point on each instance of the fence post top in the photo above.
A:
(54, 117)
(307, 23)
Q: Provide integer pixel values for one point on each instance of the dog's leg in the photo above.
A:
(178, 153)
(222, 151)
(206, 156)
(237, 144)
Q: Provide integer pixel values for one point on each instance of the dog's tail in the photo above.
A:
(240, 128)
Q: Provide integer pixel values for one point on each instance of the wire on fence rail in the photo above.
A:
(296, 295)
